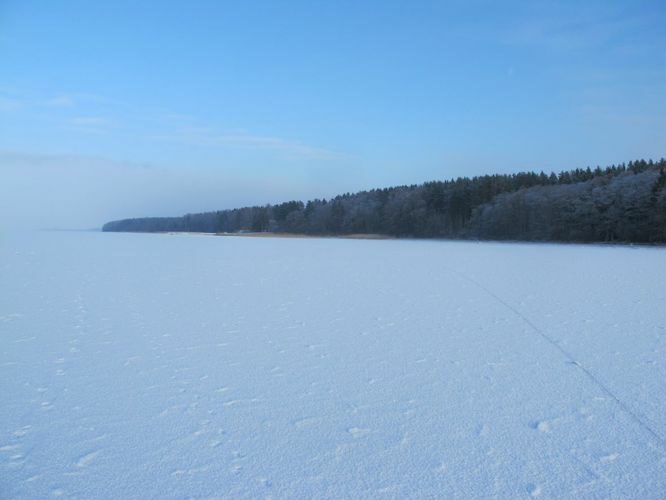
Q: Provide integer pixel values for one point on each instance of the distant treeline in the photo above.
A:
(621, 203)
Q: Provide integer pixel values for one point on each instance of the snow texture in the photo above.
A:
(157, 366)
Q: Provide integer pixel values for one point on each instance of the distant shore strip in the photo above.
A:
(267, 234)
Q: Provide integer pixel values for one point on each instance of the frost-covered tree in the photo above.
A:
(618, 203)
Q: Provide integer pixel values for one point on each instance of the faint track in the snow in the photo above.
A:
(570, 358)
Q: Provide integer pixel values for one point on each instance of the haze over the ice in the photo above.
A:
(119, 109)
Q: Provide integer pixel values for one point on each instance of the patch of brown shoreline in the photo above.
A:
(355, 236)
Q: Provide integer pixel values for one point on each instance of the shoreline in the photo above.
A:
(379, 237)
(354, 236)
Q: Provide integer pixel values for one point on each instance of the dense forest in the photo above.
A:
(620, 203)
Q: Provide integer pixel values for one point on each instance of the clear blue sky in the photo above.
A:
(160, 107)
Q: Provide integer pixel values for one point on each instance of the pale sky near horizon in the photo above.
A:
(119, 109)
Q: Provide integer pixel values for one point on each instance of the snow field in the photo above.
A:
(155, 366)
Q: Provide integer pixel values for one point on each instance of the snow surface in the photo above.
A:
(160, 366)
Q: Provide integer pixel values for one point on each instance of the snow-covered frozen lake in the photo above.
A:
(163, 366)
